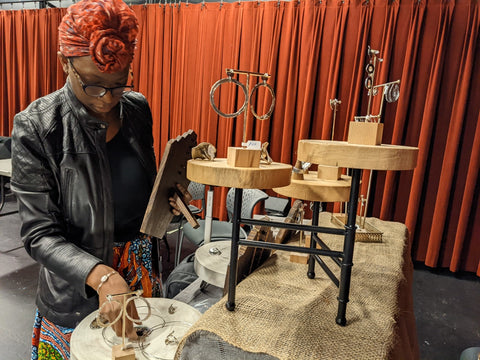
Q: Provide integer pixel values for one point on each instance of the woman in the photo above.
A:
(83, 168)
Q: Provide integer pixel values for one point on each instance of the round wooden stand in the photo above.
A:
(211, 262)
(96, 344)
(218, 173)
(343, 154)
(314, 189)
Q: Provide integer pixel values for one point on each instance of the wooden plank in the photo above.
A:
(172, 171)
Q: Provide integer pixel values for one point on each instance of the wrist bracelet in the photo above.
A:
(104, 279)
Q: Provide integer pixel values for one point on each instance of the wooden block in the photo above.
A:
(240, 157)
(119, 354)
(365, 133)
(326, 172)
(299, 258)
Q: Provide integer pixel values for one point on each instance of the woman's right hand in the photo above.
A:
(111, 309)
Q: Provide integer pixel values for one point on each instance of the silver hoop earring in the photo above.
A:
(214, 88)
(272, 106)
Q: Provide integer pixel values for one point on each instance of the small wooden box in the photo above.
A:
(241, 157)
(119, 354)
(326, 172)
(365, 133)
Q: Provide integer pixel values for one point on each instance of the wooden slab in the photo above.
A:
(343, 154)
(219, 173)
(172, 171)
(312, 188)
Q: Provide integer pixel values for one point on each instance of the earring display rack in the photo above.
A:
(321, 152)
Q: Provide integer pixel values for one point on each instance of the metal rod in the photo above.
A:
(313, 228)
(284, 247)
(232, 280)
(326, 247)
(327, 270)
(348, 245)
(311, 260)
(264, 75)
(245, 112)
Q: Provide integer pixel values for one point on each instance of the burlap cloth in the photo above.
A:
(281, 312)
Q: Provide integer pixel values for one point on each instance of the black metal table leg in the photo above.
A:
(348, 245)
(2, 193)
(232, 280)
(313, 243)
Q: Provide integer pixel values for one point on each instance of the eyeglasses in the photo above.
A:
(99, 91)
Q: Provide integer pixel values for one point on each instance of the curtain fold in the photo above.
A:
(314, 51)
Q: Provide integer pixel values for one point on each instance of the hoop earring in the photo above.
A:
(269, 112)
(214, 88)
(101, 319)
(149, 311)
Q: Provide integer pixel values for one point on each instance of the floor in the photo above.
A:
(446, 305)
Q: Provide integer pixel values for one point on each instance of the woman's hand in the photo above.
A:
(186, 196)
(110, 310)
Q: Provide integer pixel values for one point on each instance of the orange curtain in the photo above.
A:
(315, 51)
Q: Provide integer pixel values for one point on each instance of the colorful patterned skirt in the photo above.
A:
(133, 260)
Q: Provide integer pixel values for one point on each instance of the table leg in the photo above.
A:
(2, 193)
(232, 280)
(348, 245)
(313, 243)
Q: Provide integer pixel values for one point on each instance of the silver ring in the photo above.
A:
(269, 112)
(214, 88)
(149, 311)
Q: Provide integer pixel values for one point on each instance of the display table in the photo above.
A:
(282, 314)
(167, 316)
(322, 152)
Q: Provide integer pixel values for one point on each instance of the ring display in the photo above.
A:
(217, 85)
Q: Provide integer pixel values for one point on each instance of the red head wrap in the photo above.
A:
(104, 29)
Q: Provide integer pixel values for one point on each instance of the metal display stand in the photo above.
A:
(333, 153)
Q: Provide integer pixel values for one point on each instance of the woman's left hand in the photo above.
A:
(186, 196)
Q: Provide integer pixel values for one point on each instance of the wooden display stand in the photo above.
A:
(333, 153)
(365, 133)
(118, 353)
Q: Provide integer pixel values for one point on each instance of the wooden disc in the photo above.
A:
(312, 188)
(343, 154)
(167, 315)
(211, 262)
(218, 173)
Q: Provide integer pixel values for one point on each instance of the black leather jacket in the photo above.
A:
(61, 177)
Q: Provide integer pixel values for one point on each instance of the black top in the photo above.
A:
(130, 186)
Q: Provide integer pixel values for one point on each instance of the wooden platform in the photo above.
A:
(343, 154)
(219, 173)
(312, 188)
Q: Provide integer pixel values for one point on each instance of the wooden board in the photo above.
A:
(343, 154)
(219, 173)
(172, 171)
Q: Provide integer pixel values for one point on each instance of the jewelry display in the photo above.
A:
(244, 107)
